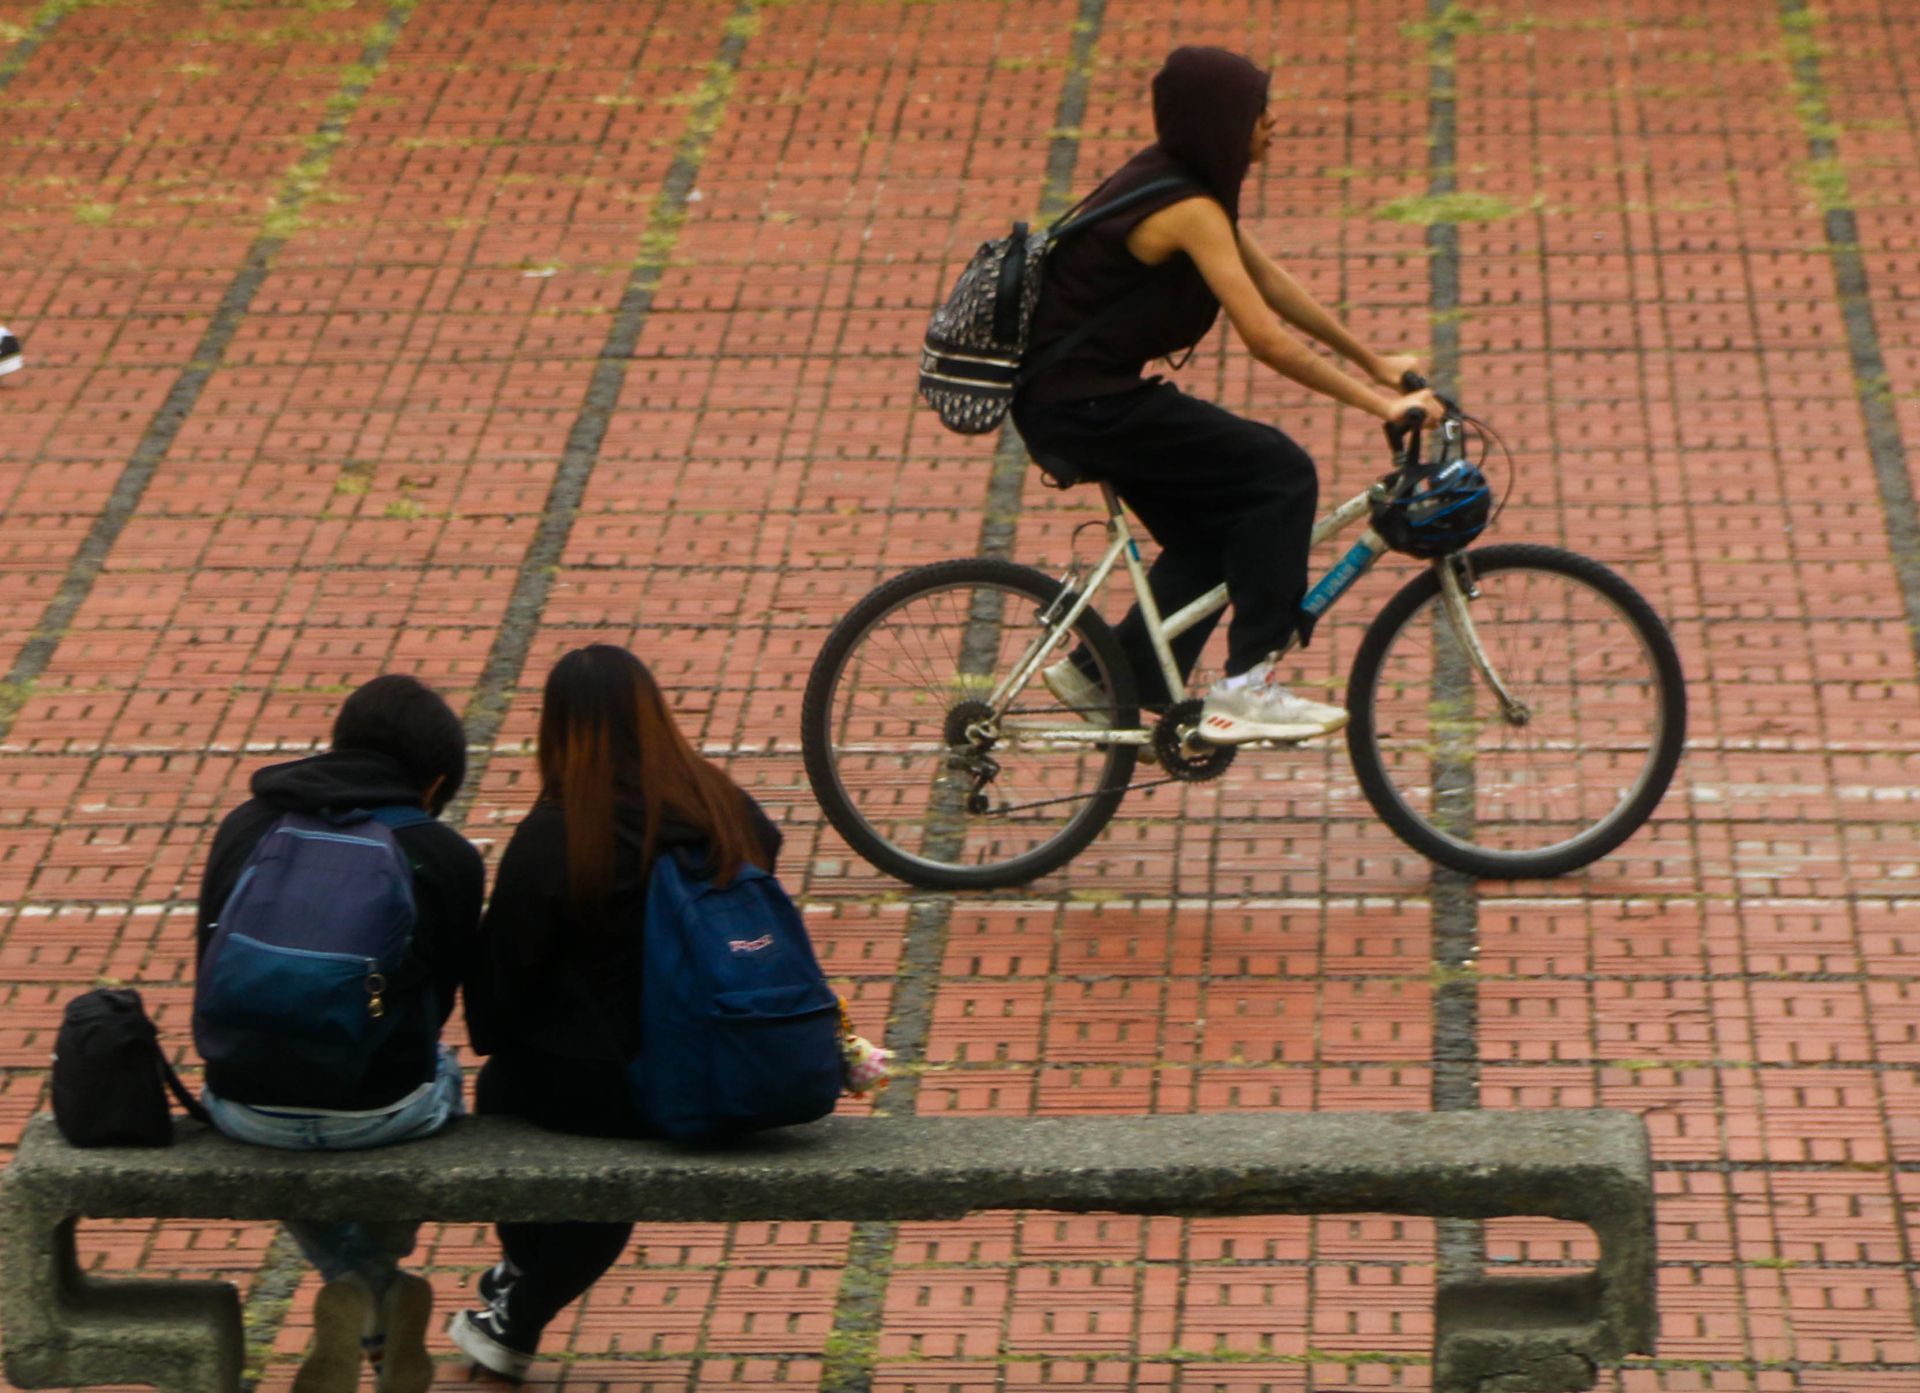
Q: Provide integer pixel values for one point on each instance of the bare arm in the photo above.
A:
(1292, 302)
(1199, 227)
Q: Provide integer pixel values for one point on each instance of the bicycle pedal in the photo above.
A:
(1276, 743)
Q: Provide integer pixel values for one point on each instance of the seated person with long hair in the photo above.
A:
(554, 999)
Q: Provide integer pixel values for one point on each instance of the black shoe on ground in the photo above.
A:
(495, 1283)
(12, 356)
(486, 1339)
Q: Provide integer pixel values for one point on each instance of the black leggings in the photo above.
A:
(1227, 500)
(558, 1262)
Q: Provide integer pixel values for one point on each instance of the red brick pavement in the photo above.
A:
(1649, 310)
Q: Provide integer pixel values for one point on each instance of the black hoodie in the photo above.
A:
(1205, 104)
(449, 882)
(547, 986)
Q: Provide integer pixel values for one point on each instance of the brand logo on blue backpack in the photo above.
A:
(295, 978)
(739, 1029)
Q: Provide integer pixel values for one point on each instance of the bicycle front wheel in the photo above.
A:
(1563, 770)
(915, 767)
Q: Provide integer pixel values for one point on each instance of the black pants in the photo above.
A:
(1227, 500)
(558, 1262)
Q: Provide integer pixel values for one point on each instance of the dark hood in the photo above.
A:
(1205, 104)
(630, 872)
(630, 823)
(337, 781)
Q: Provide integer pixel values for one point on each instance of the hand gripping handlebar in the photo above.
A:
(1403, 435)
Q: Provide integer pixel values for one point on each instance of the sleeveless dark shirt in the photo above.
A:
(1093, 268)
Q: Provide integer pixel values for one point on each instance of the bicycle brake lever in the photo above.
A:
(1403, 437)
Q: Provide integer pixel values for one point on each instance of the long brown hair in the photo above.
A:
(606, 737)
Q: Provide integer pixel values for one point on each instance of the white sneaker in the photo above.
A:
(1264, 710)
(1076, 691)
(483, 1336)
(12, 356)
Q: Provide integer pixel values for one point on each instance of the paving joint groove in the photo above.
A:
(38, 30)
(269, 1296)
(1010, 461)
(859, 1308)
(506, 659)
(1788, 1167)
(1872, 386)
(1459, 1244)
(1885, 444)
(36, 655)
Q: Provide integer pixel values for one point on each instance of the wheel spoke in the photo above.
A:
(1595, 676)
(889, 727)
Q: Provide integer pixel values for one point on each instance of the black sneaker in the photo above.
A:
(12, 357)
(486, 1339)
(495, 1283)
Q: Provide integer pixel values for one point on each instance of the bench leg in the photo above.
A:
(1521, 1335)
(66, 1329)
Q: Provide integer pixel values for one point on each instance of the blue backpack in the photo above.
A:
(739, 1030)
(295, 978)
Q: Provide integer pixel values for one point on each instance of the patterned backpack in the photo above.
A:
(974, 357)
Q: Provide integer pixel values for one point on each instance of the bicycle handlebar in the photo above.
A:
(1403, 435)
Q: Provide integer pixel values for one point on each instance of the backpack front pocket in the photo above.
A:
(770, 1057)
(325, 999)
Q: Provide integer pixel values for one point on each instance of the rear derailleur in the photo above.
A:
(968, 742)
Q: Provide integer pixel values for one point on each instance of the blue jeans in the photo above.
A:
(350, 1247)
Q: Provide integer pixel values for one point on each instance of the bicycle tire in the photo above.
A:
(1391, 763)
(933, 865)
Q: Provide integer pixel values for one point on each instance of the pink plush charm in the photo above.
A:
(868, 1066)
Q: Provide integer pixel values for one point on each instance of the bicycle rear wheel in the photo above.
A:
(1556, 782)
(912, 765)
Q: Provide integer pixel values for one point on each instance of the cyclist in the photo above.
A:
(1227, 499)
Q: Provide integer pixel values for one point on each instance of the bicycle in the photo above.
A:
(1515, 711)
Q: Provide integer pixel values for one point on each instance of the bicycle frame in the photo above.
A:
(1456, 591)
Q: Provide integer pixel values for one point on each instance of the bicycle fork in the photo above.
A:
(1458, 589)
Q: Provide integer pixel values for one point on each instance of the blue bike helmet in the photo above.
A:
(1447, 507)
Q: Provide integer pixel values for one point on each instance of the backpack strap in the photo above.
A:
(400, 815)
(1067, 224)
(1061, 347)
(1109, 312)
(1006, 296)
(179, 1089)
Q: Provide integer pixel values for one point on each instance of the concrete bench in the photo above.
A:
(1491, 1334)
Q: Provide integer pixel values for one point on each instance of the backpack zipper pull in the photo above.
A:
(376, 991)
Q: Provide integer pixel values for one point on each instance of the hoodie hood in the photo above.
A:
(630, 827)
(337, 781)
(1205, 104)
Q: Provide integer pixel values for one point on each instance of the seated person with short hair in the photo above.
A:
(336, 913)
